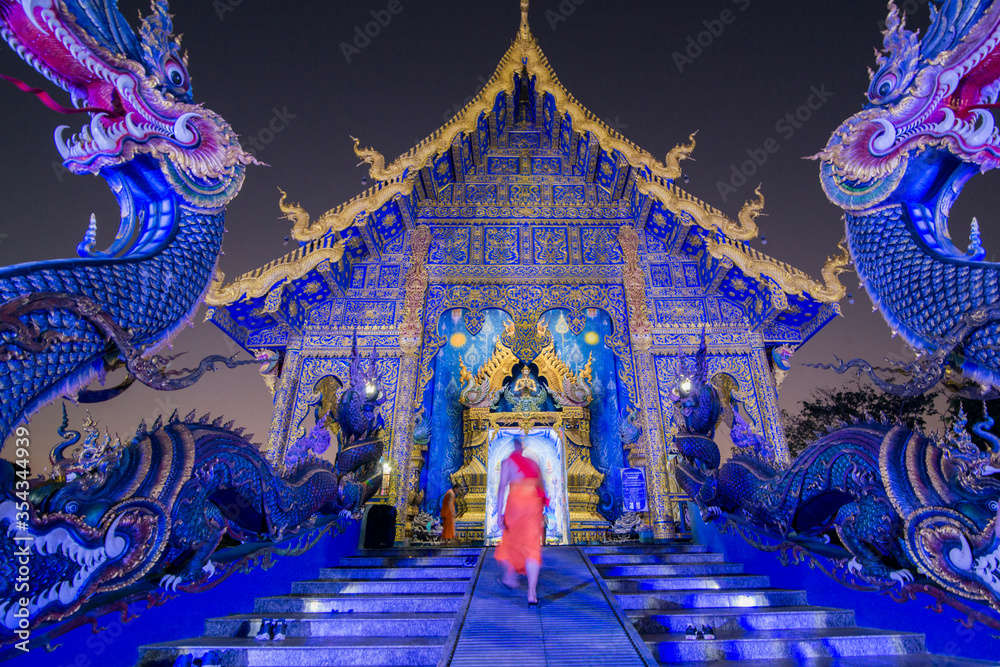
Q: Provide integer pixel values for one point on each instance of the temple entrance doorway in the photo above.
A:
(546, 448)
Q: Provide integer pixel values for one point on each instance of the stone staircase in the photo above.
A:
(381, 607)
(664, 589)
(445, 606)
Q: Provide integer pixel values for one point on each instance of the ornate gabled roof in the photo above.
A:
(642, 187)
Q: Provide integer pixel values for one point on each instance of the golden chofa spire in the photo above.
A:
(524, 32)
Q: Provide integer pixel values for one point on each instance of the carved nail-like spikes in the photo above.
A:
(157, 425)
(238, 430)
(205, 418)
(229, 425)
(217, 422)
(141, 431)
(174, 418)
(191, 416)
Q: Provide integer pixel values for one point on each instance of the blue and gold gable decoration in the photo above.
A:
(521, 211)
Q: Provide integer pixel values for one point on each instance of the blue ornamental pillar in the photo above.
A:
(406, 456)
(641, 331)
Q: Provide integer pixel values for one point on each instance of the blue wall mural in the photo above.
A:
(574, 349)
(442, 406)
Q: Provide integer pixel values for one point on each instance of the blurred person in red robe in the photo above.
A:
(520, 549)
(448, 516)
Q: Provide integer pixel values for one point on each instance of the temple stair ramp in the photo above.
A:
(390, 607)
(664, 589)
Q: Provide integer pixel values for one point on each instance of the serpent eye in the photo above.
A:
(72, 507)
(883, 87)
(176, 74)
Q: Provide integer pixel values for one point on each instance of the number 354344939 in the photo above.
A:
(22, 442)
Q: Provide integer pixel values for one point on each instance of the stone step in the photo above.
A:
(409, 561)
(399, 624)
(379, 586)
(635, 584)
(669, 548)
(301, 651)
(396, 573)
(786, 644)
(669, 570)
(693, 599)
(358, 604)
(654, 558)
(421, 552)
(731, 620)
(915, 660)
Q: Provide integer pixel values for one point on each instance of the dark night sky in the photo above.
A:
(252, 58)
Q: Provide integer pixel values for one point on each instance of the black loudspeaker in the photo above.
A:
(378, 527)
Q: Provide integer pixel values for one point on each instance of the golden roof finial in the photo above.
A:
(525, 31)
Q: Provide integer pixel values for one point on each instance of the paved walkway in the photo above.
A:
(573, 625)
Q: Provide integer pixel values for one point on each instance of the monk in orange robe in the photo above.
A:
(520, 549)
(448, 516)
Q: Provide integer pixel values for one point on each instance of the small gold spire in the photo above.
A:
(525, 30)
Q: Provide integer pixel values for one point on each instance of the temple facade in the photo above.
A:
(524, 270)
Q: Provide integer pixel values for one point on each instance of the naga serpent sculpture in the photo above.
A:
(119, 517)
(890, 506)
(118, 520)
(173, 166)
(896, 168)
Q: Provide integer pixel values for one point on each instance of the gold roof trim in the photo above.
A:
(340, 218)
(749, 260)
(390, 182)
(705, 215)
(259, 282)
(524, 47)
(791, 280)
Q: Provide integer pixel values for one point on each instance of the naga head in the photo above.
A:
(695, 397)
(358, 408)
(928, 103)
(976, 470)
(136, 89)
(68, 560)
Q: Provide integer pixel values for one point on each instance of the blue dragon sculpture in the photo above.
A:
(896, 168)
(154, 508)
(893, 505)
(117, 517)
(361, 425)
(120, 520)
(173, 166)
